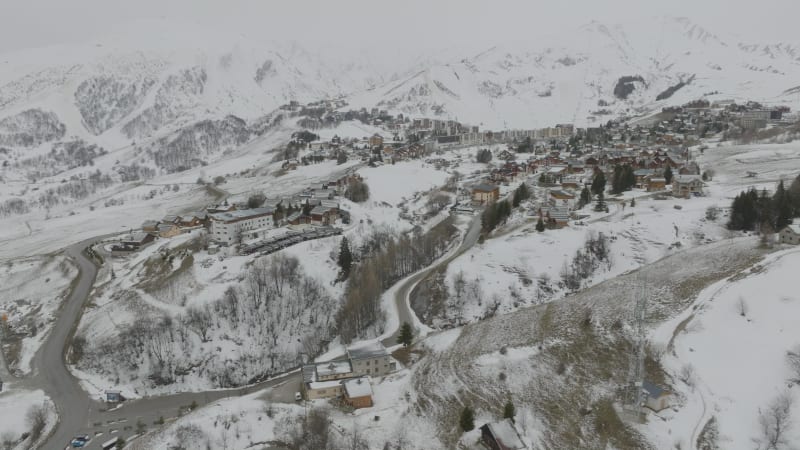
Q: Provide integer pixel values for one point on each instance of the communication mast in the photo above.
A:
(633, 398)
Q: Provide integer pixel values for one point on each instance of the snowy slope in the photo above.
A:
(572, 77)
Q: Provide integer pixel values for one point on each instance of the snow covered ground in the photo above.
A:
(735, 339)
(15, 406)
(32, 291)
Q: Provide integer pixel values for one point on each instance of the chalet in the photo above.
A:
(554, 217)
(501, 436)
(168, 230)
(298, 218)
(150, 226)
(376, 140)
(790, 234)
(137, 240)
(371, 359)
(655, 398)
(484, 193)
(171, 218)
(656, 184)
(195, 219)
(315, 389)
(358, 392)
(561, 198)
(687, 185)
(640, 176)
(322, 215)
(333, 370)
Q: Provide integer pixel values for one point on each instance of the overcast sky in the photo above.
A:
(362, 23)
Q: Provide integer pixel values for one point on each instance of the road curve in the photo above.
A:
(52, 375)
(404, 312)
(78, 413)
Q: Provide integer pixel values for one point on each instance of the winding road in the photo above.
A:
(80, 414)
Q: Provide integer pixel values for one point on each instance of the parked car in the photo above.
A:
(80, 441)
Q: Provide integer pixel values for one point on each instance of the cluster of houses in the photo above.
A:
(348, 379)
(564, 177)
(234, 223)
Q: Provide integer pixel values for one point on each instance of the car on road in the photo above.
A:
(79, 441)
(297, 397)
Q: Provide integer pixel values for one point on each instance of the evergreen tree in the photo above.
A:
(585, 199)
(783, 207)
(467, 421)
(406, 336)
(668, 174)
(540, 225)
(598, 182)
(600, 205)
(345, 258)
(520, 194)
(509, 411)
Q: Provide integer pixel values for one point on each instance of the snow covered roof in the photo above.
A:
(333, 368)
(506, 435)
(324, 384)
(357, 387)
(367, 351)
(794, 228)
(484, 187)
(241, 214)
(687, 178)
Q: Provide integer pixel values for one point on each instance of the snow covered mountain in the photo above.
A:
(594, 73)
(132, 88)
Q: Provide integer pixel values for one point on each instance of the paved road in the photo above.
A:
(404, 312)
(79, 414)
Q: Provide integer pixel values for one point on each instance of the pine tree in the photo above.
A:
(540, 225)
(345, 258)
(585, 199)
(406, 336)
(520, 194)
(783, 207)
(600, 205)
(509, 411)
(598, 182)
(467, 421)
(668, 174)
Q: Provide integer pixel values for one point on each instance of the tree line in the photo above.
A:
(758, 210)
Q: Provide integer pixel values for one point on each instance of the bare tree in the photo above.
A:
(793, 359)
(199, 320)
(774, 423)
(36, 419)
(687, 375)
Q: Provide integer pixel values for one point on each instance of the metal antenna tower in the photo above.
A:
(633, 388)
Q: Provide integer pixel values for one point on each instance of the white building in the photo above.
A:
(227, 227)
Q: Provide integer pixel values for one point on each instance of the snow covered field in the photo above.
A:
(32, 291)
(735, 339)
(15, 406)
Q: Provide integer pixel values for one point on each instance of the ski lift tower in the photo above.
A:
(632, 396)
